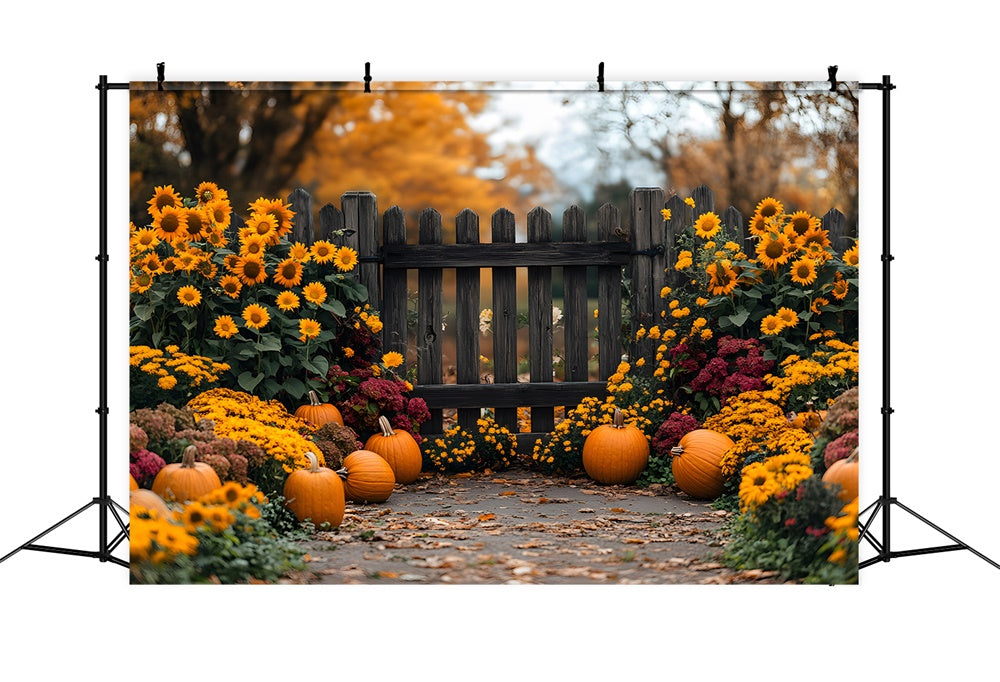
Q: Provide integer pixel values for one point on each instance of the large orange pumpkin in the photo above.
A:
(844, 472)
(367, 477)
(132, 483)
(399, 449)
(147, 499)
(315, 493)
(615, 453)
(187, 479)
(318, 413)
(697, 463)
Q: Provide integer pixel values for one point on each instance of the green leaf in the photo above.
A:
(752, 293)
(248, 381)
(268, 344)
(143, 312)
(321, 364)
(739, 318)
(334, 306)
(725, 322)
(295, 388)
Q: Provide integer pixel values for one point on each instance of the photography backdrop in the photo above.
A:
(940, 623)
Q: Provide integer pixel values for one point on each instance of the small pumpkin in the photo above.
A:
(399, 449)
(615, 452)
(367, 477)
(697, 463)
(132, 483)
(147, 499)
(844, 472)
(187, 479)
(316, 493)
(319, 413)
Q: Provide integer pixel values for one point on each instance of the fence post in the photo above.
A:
(645, 233)
(575, 354)
(302, 222)
(467, 316)
(540, 318)
(836, 225)
(680, 218)
(733, 220)
(361, 218)
(331, 220)
(609, 297)
(504, 317)
(429, 316)
(394, 288)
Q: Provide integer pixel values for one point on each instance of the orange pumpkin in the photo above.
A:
(399, 449)
(697, 463)
(187, 479)
(615, 453)
(315, 493)
(132, 483)
(844, 472)
(147, 499)
(318, 413)
(367, 477)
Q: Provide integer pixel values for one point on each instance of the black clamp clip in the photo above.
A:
(368, 76)
(832, 72)
(159, 75)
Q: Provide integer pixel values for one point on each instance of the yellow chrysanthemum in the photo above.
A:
(803, 271)
(771, 325)
(707, 225)
(348, 352)
(189, 296)
(346, 259)
(309, 329)
(665, 212)
(230, 286)
(788, 317)
(207, 192)
(162, 197)
(225, 327)
(851, 256)
(256, 316)
(166, 382)
(392, 359)
(768, 207)
(250, 270)
(323, 251)
(314, 292)
(689, 201)
(170, 223)
(287, 300)
(773, 250)
(288, 273)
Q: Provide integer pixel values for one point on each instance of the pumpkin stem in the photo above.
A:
(853, 457)
(313, 462)
(618, 421)
(314, 398)
(342, 472)
(385, 426)
(677, 451)
(187, 459)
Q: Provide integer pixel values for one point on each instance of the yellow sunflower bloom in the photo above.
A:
(189, 296)
(287, 300)
(276, 209)
(207, 192)
(253, 244)
(288, 273)
(771, 325)
(851, 256)
(788, 317)
(265, 226)
(220, 213)
(250, 270)
(818, 304)
(309, 329)
(707, 225)
(197, 224)
(299, 252)
(162, 197)
(256, 316)
(323, 251)
(803, 271)
(346, 259)
(773, 250)
(314, 292)
(225, 327)
(170, 223)
(840, 288)
(230, 286)
(802, 222)
(768, 207)
(723, 278)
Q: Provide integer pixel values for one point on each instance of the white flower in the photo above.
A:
(485, 318)
(556, 315)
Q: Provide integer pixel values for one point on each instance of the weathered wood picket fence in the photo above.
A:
(643, 245)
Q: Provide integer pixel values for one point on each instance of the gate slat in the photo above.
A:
(467, 316)
(429, 317)
(504, 318)
(540, 318)
(575, 301)
(609, 297)
(393, 311)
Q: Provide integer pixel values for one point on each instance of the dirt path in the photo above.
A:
(522, 527)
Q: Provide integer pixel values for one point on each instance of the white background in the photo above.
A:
(918, 617)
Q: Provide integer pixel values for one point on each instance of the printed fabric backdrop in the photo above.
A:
(494, 333)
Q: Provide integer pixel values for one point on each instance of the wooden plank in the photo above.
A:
(331, 225)
(552, 254)
(302, 222)
(361, 216)
(575, 353)
(658, 264)
(504, 318)
(467, 316)
(736, 226)
(540, 318)
(704, 200)
(429, 316)
(835, 224)
(680, 218)
(393, 311)
(644, 207)
(545, 394)
(609, 296)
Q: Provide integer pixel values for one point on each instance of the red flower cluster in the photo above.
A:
(363, 397)
(670, 432)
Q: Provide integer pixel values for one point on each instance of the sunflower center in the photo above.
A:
(774, 249)
(759, 481)
(802, 271)
(163, 201)
(800, 225)
(288, 272)
(251, 269)
(169, 223)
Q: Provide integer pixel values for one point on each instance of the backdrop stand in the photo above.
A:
(103, 501)
(886, 501)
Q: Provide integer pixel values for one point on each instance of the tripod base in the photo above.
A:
(885, 553)
(104, 553)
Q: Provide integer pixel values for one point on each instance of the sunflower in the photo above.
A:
(143, 239)
(169, 265)
(804, 271)
(346, 259)
(308, 329)
(170, 223)
(162, 197)
(263, 225)
(818, 304)
(220, 212)
(802, 222)
(723, 278)
(768, 207)
(788, 317)
(771, 325)
(840, 287)
(773, 250)
(225, 327)
(219, 518)
(323, 251)
(197, 224)
(206, 268)
(280, 211)
(229, 261)
(230, 286)
(816, 236)
(707, 225)
(256, 316)
(141, 282)
(207, 192)
(314, 292)
(816, 252)
(392, 359)
(253, 245)
(250, 270)
(287, 300)
(759, 225)
(193, 516)
(288, 273)
(299, 251)
(189, 296)
(151, 263)
(851, 256)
